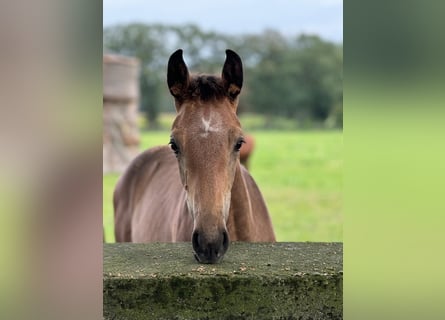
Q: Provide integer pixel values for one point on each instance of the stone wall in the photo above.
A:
(254, 281)
(120, 108)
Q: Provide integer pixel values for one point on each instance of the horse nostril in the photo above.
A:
(225, 240)
(195, 240)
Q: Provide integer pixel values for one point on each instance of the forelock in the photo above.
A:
(205, 88)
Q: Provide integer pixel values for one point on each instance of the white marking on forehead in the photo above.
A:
(207, 126)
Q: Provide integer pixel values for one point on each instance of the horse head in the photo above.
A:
(206, 137)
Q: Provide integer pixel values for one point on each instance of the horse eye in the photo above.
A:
(174, 146)
(238, 144)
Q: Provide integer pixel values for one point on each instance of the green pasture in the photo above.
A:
(299, 174)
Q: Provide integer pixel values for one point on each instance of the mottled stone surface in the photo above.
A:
(254, 281)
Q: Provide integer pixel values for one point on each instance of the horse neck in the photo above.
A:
(240, 217)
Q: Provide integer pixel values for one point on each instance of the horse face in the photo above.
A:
(206, 138)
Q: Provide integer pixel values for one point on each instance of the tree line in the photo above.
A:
(298, 77)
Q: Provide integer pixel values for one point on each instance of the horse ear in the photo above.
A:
(177, 74)
(232, 73)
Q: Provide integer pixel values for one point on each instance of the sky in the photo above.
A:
(290, 17)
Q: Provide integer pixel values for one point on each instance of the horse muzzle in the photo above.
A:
(210, 249)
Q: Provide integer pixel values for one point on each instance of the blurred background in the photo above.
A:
(291, 101)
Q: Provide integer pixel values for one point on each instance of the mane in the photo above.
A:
(205, 88)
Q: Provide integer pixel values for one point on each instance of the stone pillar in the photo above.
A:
(120, 111)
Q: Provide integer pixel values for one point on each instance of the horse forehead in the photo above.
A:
(207, 120)
(211, 122)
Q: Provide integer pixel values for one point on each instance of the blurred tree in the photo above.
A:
(298, 78)
(301, 79)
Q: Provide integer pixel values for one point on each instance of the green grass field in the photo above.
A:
(299, 174)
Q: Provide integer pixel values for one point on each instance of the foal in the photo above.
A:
(211, 198)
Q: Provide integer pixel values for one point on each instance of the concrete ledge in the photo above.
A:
(254, 281)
